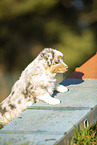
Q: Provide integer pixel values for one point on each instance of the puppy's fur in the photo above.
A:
(37, 82)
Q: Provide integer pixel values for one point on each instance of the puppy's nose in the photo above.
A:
(66, 67)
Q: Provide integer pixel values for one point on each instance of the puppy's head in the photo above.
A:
(53, 60)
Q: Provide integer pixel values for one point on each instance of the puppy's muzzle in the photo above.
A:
(65, 67)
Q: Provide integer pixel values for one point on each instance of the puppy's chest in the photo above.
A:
(51, 86)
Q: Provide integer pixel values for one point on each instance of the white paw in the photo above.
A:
(53, 101)
(62, 89)
(48, 99)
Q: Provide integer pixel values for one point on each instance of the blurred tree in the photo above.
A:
(10, 8)
(25, 25)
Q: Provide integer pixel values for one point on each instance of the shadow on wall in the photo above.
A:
(73, 78)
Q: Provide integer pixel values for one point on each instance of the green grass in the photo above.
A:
(85, 136)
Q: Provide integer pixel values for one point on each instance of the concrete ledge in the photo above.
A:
(45, 124)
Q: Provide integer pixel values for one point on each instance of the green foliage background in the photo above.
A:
(28, 26)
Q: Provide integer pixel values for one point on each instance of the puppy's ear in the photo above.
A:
(47, 59)
(48, 55)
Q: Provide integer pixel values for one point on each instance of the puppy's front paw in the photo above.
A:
(48, 99)
(62, 89)
(54, 101)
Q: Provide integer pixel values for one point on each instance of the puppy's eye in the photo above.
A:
(56, 62)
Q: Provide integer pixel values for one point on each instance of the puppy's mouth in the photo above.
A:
(62, 67)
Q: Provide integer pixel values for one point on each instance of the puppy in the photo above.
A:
(37, 82)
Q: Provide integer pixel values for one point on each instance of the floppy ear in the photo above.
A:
(49, 62)
(47, 58)
(48, 55)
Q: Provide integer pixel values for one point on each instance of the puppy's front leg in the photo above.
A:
(48, 99)
(60, 88)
